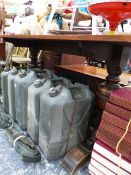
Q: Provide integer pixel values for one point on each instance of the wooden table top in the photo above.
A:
(95, 72)
(72, 37)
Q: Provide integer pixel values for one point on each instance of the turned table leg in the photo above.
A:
(112, 80)
(113, 68)
(34, 58)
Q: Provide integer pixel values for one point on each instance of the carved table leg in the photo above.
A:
(113, 68)
(34, 58)
(112, 80)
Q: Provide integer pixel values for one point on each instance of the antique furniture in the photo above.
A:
(102, 47)
(2, 52)
(86, 74)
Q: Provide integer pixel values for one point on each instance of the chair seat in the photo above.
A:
(20, 59)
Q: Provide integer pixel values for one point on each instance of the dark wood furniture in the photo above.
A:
(90, 75)
(102, 47)
(67, 59)
(2, 51)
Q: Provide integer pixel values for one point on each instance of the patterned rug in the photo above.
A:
(11, 163)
